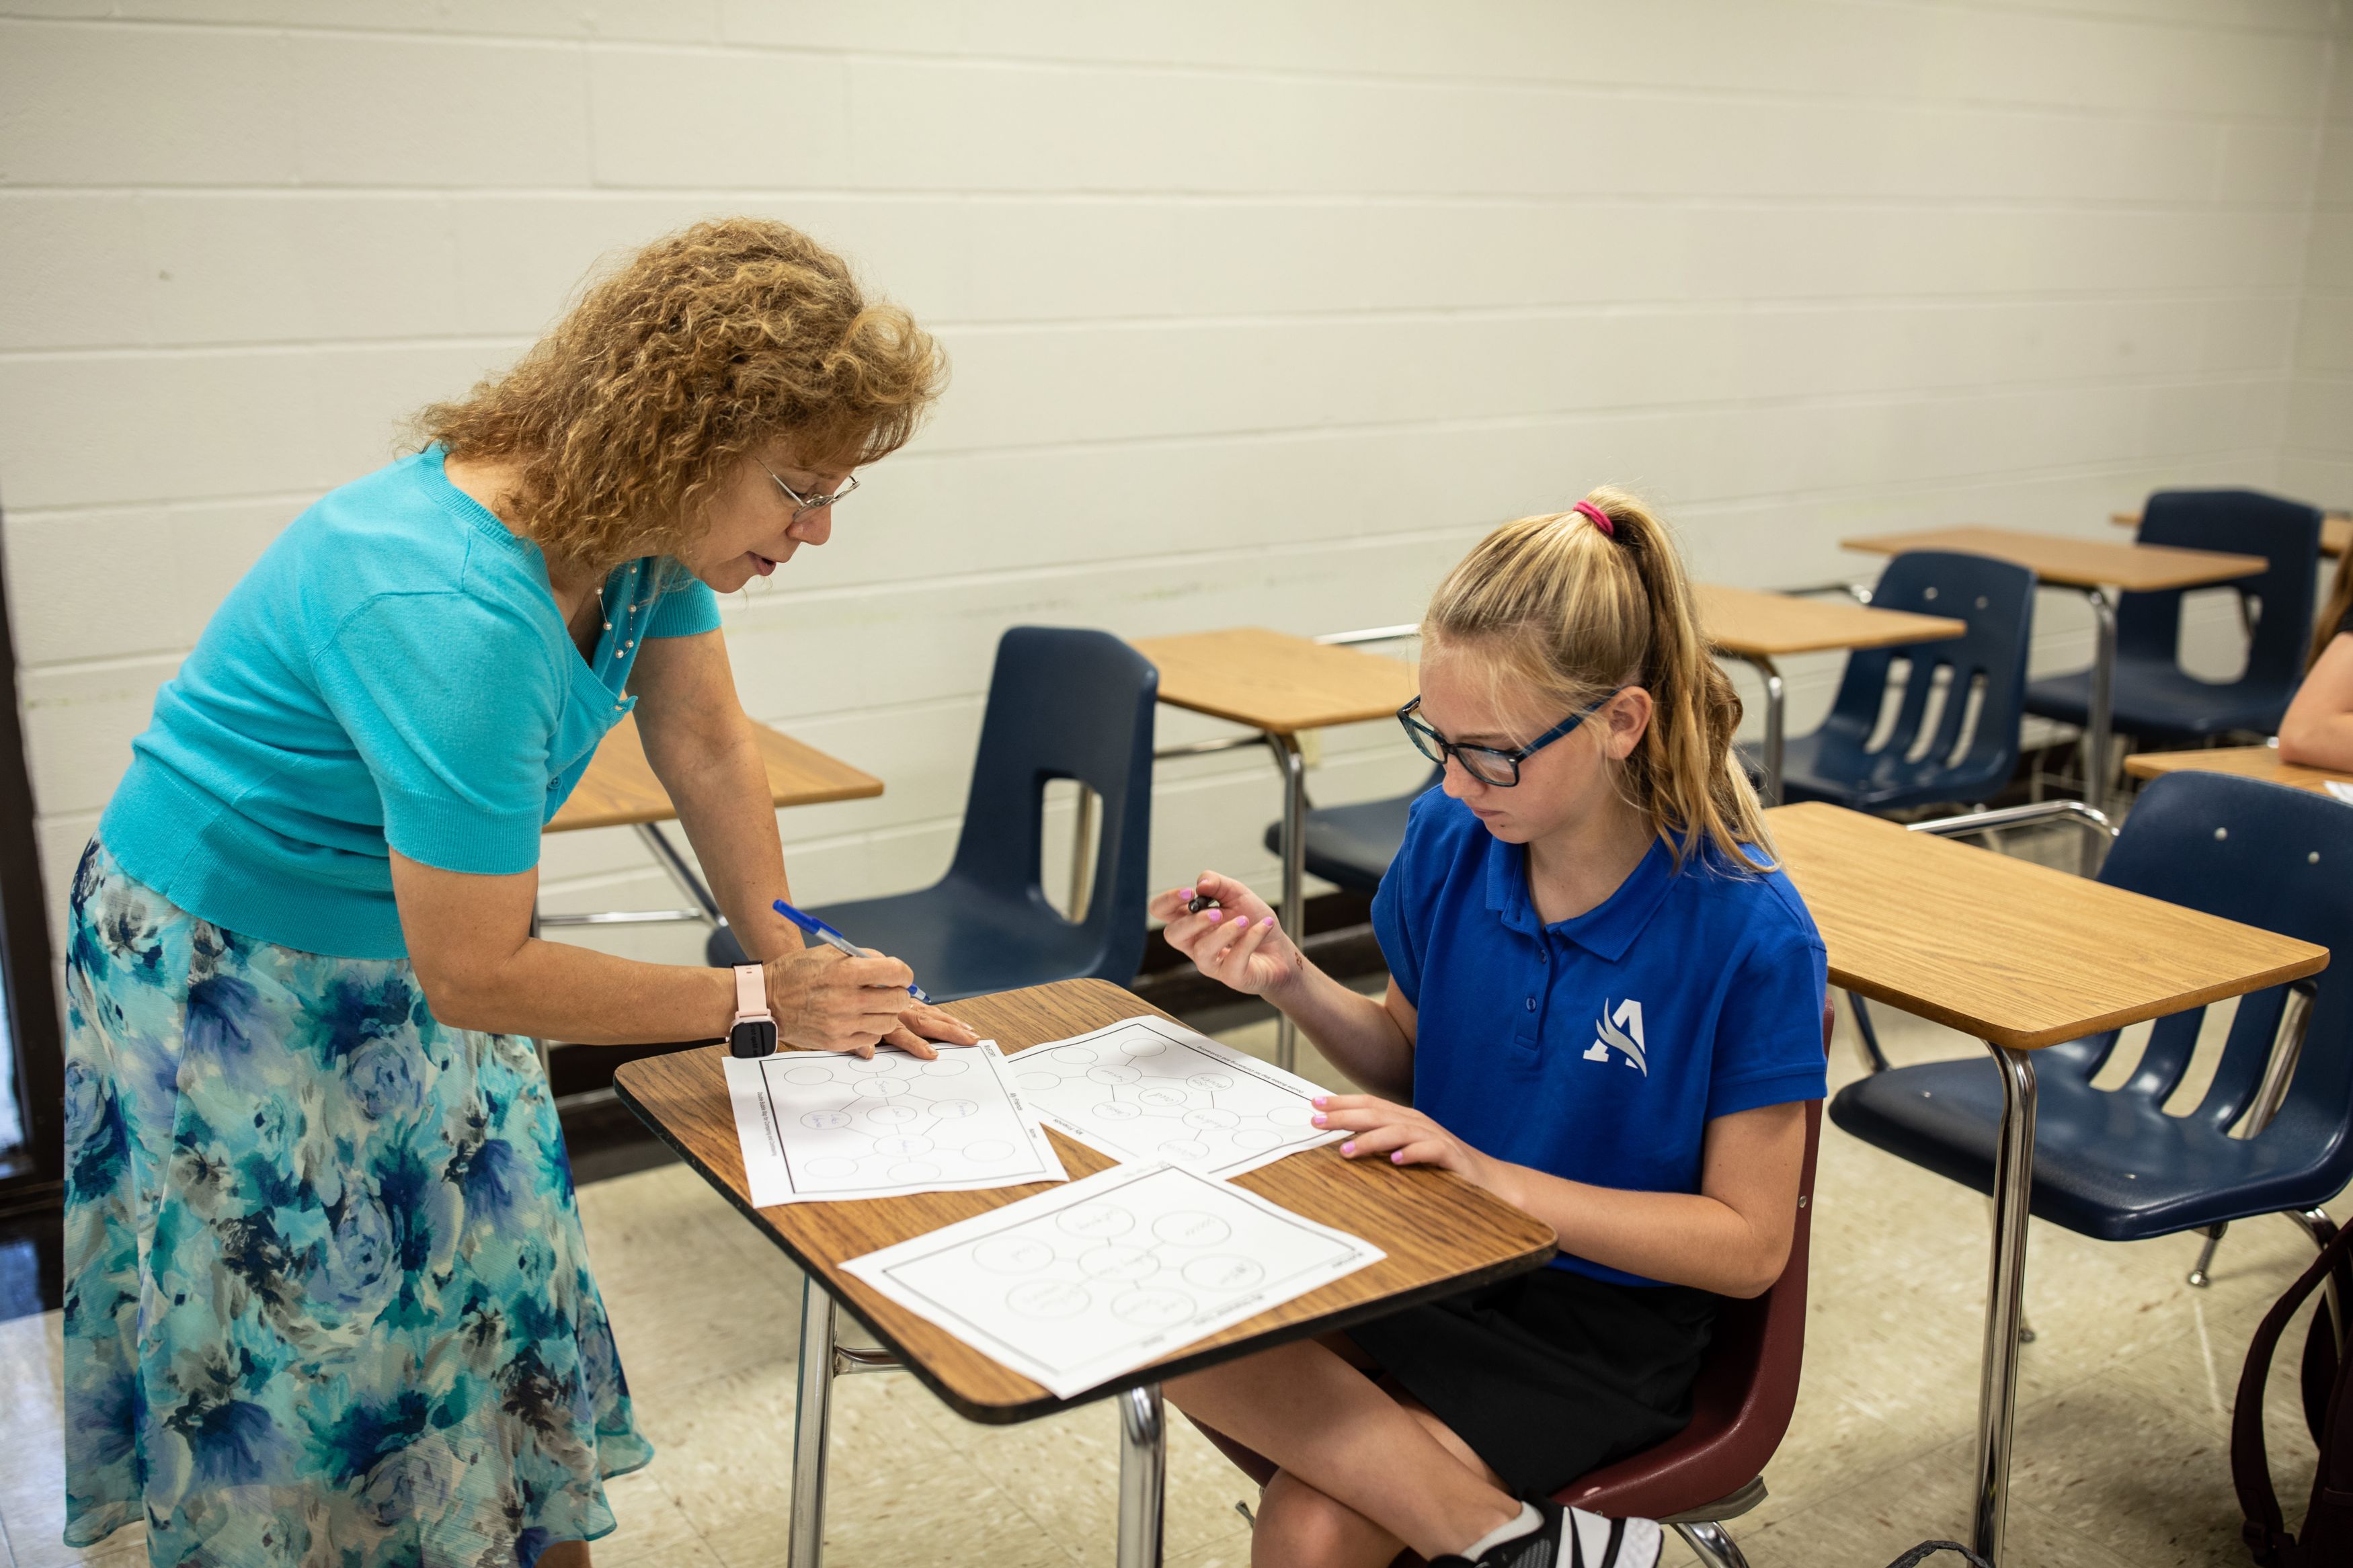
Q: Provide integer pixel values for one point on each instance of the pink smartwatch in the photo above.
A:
(753, 1033)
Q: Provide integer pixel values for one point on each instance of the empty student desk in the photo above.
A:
(2021, 956)
(2092, 567)
(1756, 629)
(2336, 529)
(1279, 685)
(2250, 762)
(619, 790)
(1441, 1234)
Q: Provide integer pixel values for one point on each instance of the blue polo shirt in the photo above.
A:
(1598, 1048)
(393, 674)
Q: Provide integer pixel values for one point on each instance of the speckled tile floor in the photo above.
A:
(2122, 1439)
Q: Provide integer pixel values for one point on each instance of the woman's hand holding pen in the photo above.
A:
(823, 1001)
(1235, 939)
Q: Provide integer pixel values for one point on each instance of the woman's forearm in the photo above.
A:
(554, 990)
(723, 801)
(1356, 1033)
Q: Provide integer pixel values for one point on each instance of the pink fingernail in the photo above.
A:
(1214, 916)
(1317, 1119)
(1348, 1148)
(1321, 1100)
(1267, 922)
(1398, 1158)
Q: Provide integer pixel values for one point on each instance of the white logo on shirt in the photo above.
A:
(1623, 1029)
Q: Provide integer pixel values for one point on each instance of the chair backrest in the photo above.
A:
(2267, 856)
(1066, 703)
(1997, 601)
(2286, 533)
(1742, 1401)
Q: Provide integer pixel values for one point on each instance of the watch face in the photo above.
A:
(753, 1038)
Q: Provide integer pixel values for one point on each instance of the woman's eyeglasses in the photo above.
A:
(804, 505)
(1488, 765)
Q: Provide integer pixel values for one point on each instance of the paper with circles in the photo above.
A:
(1144, 1088)
(1072, 1287)
(822, 1128)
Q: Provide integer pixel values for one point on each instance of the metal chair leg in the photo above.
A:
(2200, 1275)
(1712, 1545)
(1874, 1058)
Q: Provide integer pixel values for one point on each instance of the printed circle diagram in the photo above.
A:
(1096, 1220)
(1153, 1309)
(853, 1124)
(1048, 1299)
(1144, 1092)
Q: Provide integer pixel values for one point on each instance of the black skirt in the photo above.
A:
(1552, 1375)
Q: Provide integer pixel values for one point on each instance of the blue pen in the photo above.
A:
(833, 939)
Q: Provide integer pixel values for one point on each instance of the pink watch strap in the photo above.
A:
(751, 993)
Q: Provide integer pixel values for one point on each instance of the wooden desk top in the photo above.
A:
(1277, 682)
(2074, 562)
(2006, 950)
(1743, 621)
(1441, 1234)
(619, 787)
(2248, 762)
(2336, 529)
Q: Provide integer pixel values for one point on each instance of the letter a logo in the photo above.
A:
(1624, 1030)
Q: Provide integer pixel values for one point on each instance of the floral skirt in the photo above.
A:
(327, 1299)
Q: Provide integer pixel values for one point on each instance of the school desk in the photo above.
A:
(2092, 567)
(2021, 956)
(2250, 762)
(1277, 684)
(1756, 629)
(2336, 529)
(619, 790)
(1441, 1235)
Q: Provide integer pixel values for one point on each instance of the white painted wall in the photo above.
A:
(1260, 310)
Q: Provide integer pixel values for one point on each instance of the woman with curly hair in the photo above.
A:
(328, 1299)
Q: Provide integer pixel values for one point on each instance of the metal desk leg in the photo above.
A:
(680, 872)
(1294, 876)
(1142, 1475)
(2100, 714)
(2013, 1186)
(812, 1416)
(1775, 707)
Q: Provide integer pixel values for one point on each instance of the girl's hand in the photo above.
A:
(1238, 944)
(1403, 1134)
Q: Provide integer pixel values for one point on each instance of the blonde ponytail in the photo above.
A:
(1576, 612)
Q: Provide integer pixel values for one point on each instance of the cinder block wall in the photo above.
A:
(1260, 313)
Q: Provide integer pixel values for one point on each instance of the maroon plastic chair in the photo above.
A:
(1713, 1469)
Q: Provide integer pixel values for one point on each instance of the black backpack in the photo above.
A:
(2328, 1383)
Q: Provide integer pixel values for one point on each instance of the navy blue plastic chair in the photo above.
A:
(2110, 1163)
(1922, 760)
(1062, 704)
(1350, 846)
(2155, 697)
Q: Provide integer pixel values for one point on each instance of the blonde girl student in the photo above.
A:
(1604, 1006)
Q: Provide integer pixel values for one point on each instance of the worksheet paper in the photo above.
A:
(1075, 1286)
(1144, 1088)
(817, 1127)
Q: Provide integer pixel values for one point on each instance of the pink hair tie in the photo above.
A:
(1600, 518)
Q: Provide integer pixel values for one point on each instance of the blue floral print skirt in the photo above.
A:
(327, 1300)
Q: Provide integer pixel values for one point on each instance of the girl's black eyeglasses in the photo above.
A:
(1488, 765)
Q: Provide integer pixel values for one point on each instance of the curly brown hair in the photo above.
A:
(704, 346)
